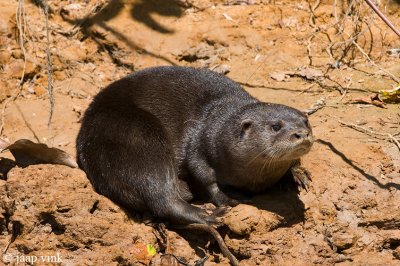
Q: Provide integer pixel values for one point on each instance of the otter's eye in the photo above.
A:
(276, 127)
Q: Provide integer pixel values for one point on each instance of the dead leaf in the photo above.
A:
(372, 99)
(227, 17)
(140, 251)
(289, 22)
(151, 250)
(278, 76)
(27, 153)
(391, 96)
(393, 52)
(143, 252)
(310, 73)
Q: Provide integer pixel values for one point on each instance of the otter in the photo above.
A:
(154, 139)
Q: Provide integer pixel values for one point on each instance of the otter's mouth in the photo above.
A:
(296, 152)
(284, 153)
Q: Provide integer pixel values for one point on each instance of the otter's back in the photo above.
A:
(172, 94)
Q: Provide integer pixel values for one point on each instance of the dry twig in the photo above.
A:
(377, 135)
(20, 18)
(346, 90)
(21, 25)
(311, 21)
(383, 17)
(49, 66)
(321, 103)
(373, 63)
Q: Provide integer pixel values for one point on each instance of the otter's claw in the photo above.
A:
(301, 176)
(214, 215)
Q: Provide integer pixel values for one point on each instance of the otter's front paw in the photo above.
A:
(221, 199)
(301, 176)
(215, 214)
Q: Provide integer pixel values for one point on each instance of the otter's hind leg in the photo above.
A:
(128, 158)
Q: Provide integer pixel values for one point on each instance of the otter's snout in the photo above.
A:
(301, 134)
(304, 135)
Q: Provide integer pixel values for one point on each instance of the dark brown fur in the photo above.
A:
(149, 139)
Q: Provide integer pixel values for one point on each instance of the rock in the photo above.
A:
(55, 210)
(39, 90)
(238, 247)
(206, 53)
(40, 87)
(3, 194)
(167, 260)
(365, 240)
(221, 69)
(201, 51)
(244, 219)
(327, 210)
(17, 54)
(178, 246)
(385, 221)
(73, 11)
(5, 57)
(5, 212)
(76, 51)
(269, 221)
(16, 68)
(60, 75)
(340, 258)
(8, 86)
(396, 253)
(390, 240)
(343, 241)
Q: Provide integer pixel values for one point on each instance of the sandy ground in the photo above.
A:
(350, 214)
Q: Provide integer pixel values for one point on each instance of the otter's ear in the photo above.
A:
(245, 127)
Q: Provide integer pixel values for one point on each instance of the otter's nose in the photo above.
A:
(303, 134)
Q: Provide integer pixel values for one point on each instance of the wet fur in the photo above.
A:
(151, 139)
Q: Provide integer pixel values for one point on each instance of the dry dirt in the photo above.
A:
(350, 214)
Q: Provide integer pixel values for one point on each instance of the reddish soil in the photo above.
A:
(349, 215)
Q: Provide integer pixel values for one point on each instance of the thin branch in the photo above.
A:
(22, 27)
(383, 17)
(346, 90)
(372, 62)
(321, 103)
(49, 66)
(378, 135)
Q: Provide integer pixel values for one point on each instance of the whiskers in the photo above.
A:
(273, 157)
(257, 156)
(269, 162)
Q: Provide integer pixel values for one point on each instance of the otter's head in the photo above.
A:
(271, 132)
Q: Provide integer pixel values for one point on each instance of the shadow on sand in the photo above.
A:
(357, 168)
(140, 10)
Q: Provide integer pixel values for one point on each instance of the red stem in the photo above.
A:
(383, 17)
